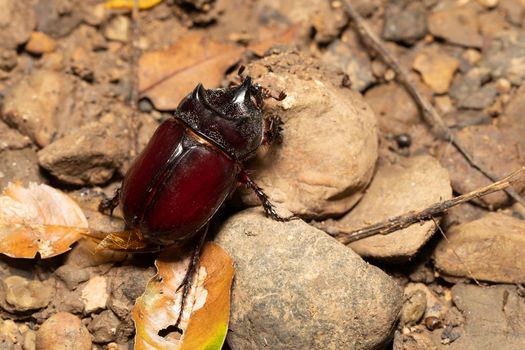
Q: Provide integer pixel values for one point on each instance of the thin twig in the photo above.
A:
(430, 114)
(412, 217)
(133, 96)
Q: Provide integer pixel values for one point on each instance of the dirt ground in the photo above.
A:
(71, 71)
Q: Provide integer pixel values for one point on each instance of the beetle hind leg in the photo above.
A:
(268, 207)
(109, 204)
(190, 274)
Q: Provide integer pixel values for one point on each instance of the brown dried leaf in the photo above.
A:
(167, 76)
(38, 219)
(206, 313)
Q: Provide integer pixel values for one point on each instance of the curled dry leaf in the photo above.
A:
(206, 312)
(166, 76)
(38, 219)
(128, 4)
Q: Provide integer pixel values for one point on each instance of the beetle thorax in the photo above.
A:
(230, 118)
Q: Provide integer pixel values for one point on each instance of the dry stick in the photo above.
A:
(133, 96)
(430, 114)
(405, 220)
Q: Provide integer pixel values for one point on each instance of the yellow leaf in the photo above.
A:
(38, 219)
(206, 312)
(128, 4)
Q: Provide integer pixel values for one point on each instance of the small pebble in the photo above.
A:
(118, 29)
(40, 43)
(413, 308)
(488, 3)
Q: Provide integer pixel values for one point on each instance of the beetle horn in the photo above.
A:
(243, 92)
(197, 92)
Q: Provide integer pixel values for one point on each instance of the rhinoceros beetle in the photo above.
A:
(192, 163)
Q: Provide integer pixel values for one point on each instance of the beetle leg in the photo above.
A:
(268, 94)
(273, 130)
(268, 207)
(110, 203)
(190, 273)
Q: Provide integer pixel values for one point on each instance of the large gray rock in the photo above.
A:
(297, 288)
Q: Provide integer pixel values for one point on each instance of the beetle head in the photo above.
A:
(232, 118)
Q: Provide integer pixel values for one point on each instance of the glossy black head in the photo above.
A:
(231, 118)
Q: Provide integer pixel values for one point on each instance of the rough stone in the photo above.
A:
(472, 90)
(71, 275)
(495, 149)
(306, 291)
(11, 138)
(325, 128)
(493, 23)
(513, 117)
(436, 307)
(413, 308)
(514, 10)
(95, 294)
(413, 341)
(104, 326)
(495, 318)
(17, 20)
(40, 43)
(505, 57)
(436, 67)
(8, 59)
(457, 25)
(19, 165)
(9, 334)
(63, 331)
(58, 18)
(405, 21)
(392, 120)
(355, 63)
(24, 295)
(489, 249)
(316, 14)
(414, 183)
(39, 105)
(89, 155)
(127, 283)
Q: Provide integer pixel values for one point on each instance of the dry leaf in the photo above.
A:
(128, 4)
(38, 219)
(167, 76)
(206, 312)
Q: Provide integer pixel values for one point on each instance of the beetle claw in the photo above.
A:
(109, 203)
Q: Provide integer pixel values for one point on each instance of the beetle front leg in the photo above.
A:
(110, 203)
(268, 207)
(273, 130)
